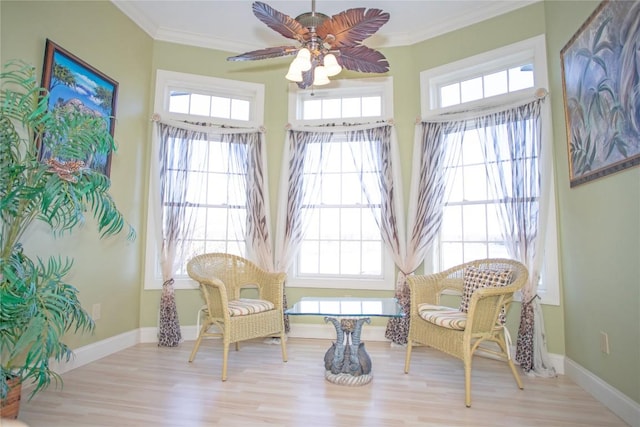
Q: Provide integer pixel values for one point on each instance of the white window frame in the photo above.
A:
(534, 51)
(382, 86)
(165, 82)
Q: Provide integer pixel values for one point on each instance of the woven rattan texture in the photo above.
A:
(482, 316)
(221, 277)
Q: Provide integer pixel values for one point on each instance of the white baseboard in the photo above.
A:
(98, 350)
(612, 398)
(92, 352)
(557, 361)
(150, 334)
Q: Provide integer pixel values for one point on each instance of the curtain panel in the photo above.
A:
(182, 149)
(427, 195)
(519, 177)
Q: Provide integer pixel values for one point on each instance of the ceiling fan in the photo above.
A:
(327, 44)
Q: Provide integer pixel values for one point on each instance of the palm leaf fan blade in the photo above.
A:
(352, 26)
(362, 59)
(307, 79)
(278, 21)
(270, 52)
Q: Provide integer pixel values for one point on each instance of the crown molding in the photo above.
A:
(375, 41)
(462, 21)
(136, 16)
(200, 40)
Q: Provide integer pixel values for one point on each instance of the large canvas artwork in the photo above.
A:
(601, 85)
(72, 82)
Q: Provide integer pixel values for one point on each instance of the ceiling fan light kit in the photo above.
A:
(327, 44)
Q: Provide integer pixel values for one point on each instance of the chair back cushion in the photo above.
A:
(476, 278)
(245, 306)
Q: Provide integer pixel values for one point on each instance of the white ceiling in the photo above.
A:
(231, 26)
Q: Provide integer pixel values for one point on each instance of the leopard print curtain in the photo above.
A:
(169, 334)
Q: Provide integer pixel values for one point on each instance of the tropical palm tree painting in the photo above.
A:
(74, 85)
(601, 84)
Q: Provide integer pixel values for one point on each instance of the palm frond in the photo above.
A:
(307, 79)
(37, 306)
(53, 309)
(362, 59)
(77, 135)
(21, 98)
(278, 21)
(268, 53)
(352, 26)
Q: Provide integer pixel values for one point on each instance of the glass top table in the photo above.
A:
(347, 307)
(347, 362)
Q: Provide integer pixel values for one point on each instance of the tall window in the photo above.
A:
(471, 227)
(217, 195)
(216, 165)
(342, 245)
(342, 237)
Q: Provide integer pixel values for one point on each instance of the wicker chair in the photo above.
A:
(221, 277)
(459, 333)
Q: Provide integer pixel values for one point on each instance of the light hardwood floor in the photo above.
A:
(150, 386)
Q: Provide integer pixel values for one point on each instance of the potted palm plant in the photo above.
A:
(37, 306)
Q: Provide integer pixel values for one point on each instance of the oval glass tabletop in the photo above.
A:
(347, 306)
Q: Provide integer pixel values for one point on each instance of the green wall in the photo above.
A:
(105, 271)
(599, 266)
(600, 235)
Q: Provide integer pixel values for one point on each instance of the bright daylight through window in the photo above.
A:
(342, 237)
(470, 228)
(216, 193)
(342, 241)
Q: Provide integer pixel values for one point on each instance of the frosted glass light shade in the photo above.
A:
(294, 74)
(331, 65)
(303, 59)
(304, 53)
(320, 76)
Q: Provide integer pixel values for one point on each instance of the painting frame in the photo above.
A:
(87, 79)
(601, 92)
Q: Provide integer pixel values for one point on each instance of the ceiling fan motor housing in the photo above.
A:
(311, 19)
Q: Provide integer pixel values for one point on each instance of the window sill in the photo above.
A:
(180, 283)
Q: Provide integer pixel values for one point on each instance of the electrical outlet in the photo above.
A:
(96, 311)
(604, 342)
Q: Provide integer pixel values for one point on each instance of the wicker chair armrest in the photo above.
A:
(209, 280)
(214, 293)
(271, 288)
(214, 282)
(491, 291)
(428, 288)
(487, 303)
(424, 289)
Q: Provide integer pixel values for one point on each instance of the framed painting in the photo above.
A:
(71, 81)
(601, 89)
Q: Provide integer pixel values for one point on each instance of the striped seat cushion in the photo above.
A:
(446, 317)
(244, 306)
